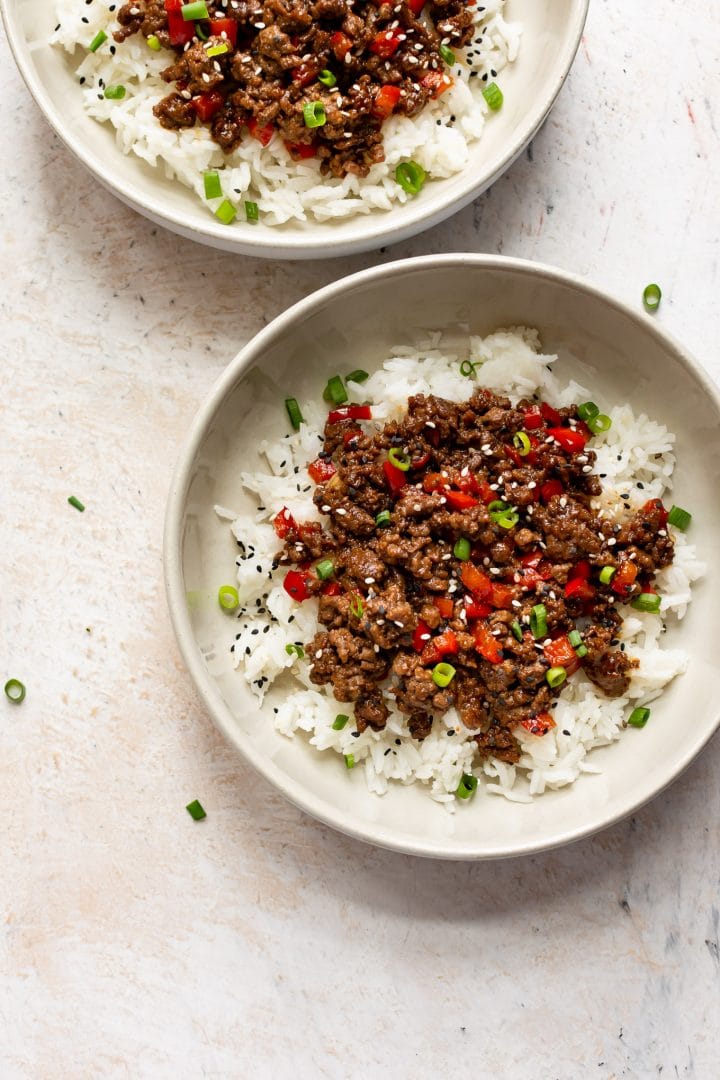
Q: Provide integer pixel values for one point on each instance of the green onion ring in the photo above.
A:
(399, 459)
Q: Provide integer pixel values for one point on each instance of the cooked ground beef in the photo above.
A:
(458, 557)
(379, 57)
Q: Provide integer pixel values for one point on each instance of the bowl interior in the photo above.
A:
(618, 354)
(551, 34)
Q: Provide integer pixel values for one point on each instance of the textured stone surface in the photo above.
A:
(258, 943)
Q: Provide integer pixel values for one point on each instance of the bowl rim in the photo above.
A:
(355, 234)
(374, 832)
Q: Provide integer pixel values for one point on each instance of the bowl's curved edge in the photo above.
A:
(172, 556)
(382, 231)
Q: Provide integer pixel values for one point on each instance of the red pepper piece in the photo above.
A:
(539, 724)
(396, 478)
(460, 500)
(572, 441)
(228, 27)
(474, 609)
(179, 31)
(501, 596)
(550, 415)
(299, 151)
(321, 470)
(385, 44)
(340, 44)
(478, 583)
(550, 488)
(206, 105)
(533, 418)
(436, 82)
(579, 589)
(262, 134)
(421, 636)
(560, 653)
(306, 73)
(432, 481)
(295, 584)
(581, 570)
(284, 522)
(385, 101)
(654, 508)
(444, 605)
(331, 588)
(349, 412)
(624, 579)
(420, 461)
(350, 434)
(444, 644)
(487, 644)
(416, 6)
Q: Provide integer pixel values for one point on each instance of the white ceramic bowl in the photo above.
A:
(620, 353)
(551, 37)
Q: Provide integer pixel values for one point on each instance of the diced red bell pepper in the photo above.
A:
(301, 151)
(331, 588)
(579, 589)
(550, 488)
(487, 644)
(432, 481)
(444, 644)
(179, 31)
(572, 441)
(535, 560)
(475, 609)
(349, 412)
(385, 101)
(550, 415)
(653, 507)
(228, 27)
(340, 44)
(533, 418)
(420, 461)
(385, 44)
(206, 105)
(321, 470)
(582, 427)
(416, 6)
(263, 134)
(284, 522)
(460, 500)
(436, 82)
(350, 434)
(581, 570)
(478, 583)
(501, 596)
(560, 653)
(396, 478)
(539, 724)
(444, 605)
(421, 636)
(173, 5)
(306, 73)
(624, 579)
(296, 584)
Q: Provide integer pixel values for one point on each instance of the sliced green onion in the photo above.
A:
(200, 32)
(153, 42)
(639, 717)
(443, 674)
(349, 761)
(467, 368)
(652, 295)
(219, 49)
(575, 638)
(497, 506)
(506, 519)
(538, 621)
(325, 569)
(293, 411)
(522, 444)
(252, 212)
(646, 601)
(494, 96)
(335, 391)
(228, 598)
(327, 78)
(599, 423)
(607, 574)
(581, 651)
(399, 459)
(462, 549)
(587, 410)
(467, 786)
(356, 606)
(447, 54)
(556, 676)
(383, 519)
(226, 212)
(97, 41)
(358, 376)
(410, 176)
(14, 691)
(314, 114)
(339, 722)
(115, 93)
(196, 10)
(517, 630)
(211, 180)
(195, 810)
(679, 518)
(76, 503)
(297, 650)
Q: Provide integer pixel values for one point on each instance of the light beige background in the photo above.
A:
(136, 943)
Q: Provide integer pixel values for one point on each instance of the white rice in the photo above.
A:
(284, 190)
(637, 460)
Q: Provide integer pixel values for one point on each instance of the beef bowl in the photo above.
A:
(295, 130)
(452, 595)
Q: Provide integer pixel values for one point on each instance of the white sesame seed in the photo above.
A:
(429, 423)
(417, 508)
(532, 485)
(369, 580)
(318, 654)
(325, 509)
(341, 511)
(516, 603)
(612, 541)
(400, 624)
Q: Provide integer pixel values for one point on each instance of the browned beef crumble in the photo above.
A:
(262, 82)
(399, 592)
